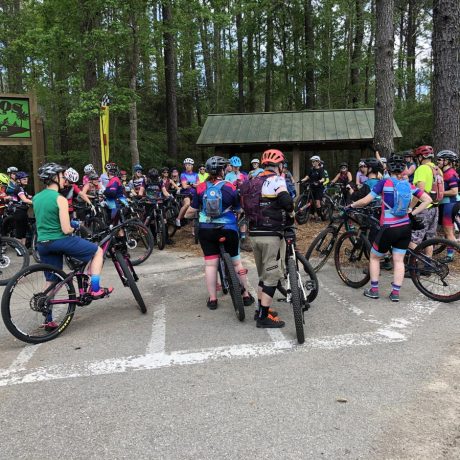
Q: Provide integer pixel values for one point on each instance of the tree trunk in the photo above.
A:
(196, 92)
(384, 93)
(446, 81)
(206, 59)
(402, 43)
(250, 58)
(357, 52)
(411, 44)
(269, 63)
(370, 48)
(170, 81)
(309, 55)
(239, 35)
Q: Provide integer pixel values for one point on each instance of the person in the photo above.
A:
(54, 230)
(235, 176)
(21, 203)
(189, 181)
(343, 177)
(137, 183)
(71, 190)
(11, 171)
(155, 187)
(114, 192)
(216, 222)
(266, 220)
(256, 169)
(104, 176)
(125, 182)
(410, 165)
(175, 178)
(202, 174)
(361, 175)
(93, 188)
(87, 170)
(316, 178)
(395, 231)
(423, 180)
(170, 186)
(383, 160)
(289, 178)
(446, 160)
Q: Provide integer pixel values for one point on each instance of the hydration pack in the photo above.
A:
(212, 200)
(402, 197)
(437, 189)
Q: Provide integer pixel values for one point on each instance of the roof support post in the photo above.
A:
(296, 166)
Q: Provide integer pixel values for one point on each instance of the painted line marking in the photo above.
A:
(23, 358)
(157, 341)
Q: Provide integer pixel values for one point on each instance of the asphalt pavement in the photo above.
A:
(374, 379)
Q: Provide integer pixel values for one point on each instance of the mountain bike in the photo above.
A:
(304, 205)
(29, 302)
(14, 256)
(155, 220)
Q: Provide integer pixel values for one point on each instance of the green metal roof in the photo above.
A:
(307, 127)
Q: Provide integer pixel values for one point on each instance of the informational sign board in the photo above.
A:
(15, 118)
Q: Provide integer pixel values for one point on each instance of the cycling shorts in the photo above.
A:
(395, 238)
(51, 252)
(209, 241)
(446, 214)
(317, 192)
(269, 253)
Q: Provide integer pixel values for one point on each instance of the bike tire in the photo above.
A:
(234, 287)
(301, 216)
(327, 208)
(351, 258)
(13, 258)
(311, 285)
(433, 277)
(321, 248)
(160, 234)
(95, 225)
(130, 282)
(223, 281)
(139, 241)
(296, 301)
(196, 229)
(13, 303)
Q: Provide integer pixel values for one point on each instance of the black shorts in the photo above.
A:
(317, 192)
(395, 238)
(209, 240)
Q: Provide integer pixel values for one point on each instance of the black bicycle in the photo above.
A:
(304, 205)
(14, 256)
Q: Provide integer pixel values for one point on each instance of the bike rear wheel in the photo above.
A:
(234, 287)
(302, 215)
(160, 231)
(436, 276)
(128, 280)
(311, 284)
(296, 302)
(139, 242)
(13, 257)
(29, 307)
(321, 248)
(351, 257)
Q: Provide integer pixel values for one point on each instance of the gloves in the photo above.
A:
(93, 210)
(75, 224)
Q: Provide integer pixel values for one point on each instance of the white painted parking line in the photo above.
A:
(157, 341)
(23, 358)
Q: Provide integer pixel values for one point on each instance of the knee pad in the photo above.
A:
(269, 290)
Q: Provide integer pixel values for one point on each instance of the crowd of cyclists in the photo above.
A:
(409, 184)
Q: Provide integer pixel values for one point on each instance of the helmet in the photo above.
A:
(93, 175)
(375, 165)
(407, 153)
(447, 155)
(88, 168)
(153, 174)
(137, 167)
(396, 163)
(383, 160)
(362, 163)
(123, 173)
(344, 164)
(315, 158)
(71, 175)
(165, 169)
(426, 151)
(49, 170)
(4, 179)
(112, 168)
(255, 160)
(21, 175)
(235, 161)
(215, 164)
(189, 161)
(272, 157)
(12, 169)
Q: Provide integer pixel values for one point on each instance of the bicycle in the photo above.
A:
(431, 274)
(155, 220)
(28, 302)
(304, 205)
(14, 256)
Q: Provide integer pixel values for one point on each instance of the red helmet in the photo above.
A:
(426, 151)
(272, 156)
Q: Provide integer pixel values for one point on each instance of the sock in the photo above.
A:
(263, 312)
(450, 253)
(395, 289)
(95, 282)
(374, 286)
(242, 235)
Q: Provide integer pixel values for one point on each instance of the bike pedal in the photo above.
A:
(306, 307)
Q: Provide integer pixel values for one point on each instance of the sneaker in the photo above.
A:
(446, 260)
(270, 322)
(103, 292)
(178, 223)
(271, 313)
(371, 294)
(211, 304)
(249, 300)
(386, 265)
(50, 326)
(394, 297)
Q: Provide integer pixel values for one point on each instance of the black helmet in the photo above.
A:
(344, 164)
(112, 168)
(164, 169)
(374, 165)
(396, 164)
(215, 164)
(49, 170)
(153, 174)
(93, 175)
(447, 155)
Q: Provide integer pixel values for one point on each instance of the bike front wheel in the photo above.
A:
(160, 231)
(234, 287)
(139, 241)
(321, 248)
(434, 267)
(311, 285)
(351, 257)
(14, 256)
(296, 300)
(35, 311)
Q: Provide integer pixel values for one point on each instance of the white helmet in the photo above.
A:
(315, 158)
(88, 168)
(255, 160)
(189, 161)
(12, 169)
(71, 175)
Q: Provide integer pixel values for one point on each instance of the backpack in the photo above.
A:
(402, 197)
(212, 201)
(437, 189)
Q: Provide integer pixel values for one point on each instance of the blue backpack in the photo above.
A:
(402, 197)
(212, 202)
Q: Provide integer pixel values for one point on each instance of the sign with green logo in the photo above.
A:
(14, 118)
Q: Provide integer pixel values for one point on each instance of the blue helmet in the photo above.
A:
(235, 161)
(21, 175)
(137, 167)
